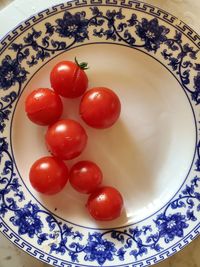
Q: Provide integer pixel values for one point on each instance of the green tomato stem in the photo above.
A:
(82, 65)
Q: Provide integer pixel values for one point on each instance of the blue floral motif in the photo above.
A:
(99, 249)
(171, 226)
(27, 220)
(31, 39)
(3, 210)
(196, 94)
(73, 26)
(11, 73)
(42, 238)
(151, 33)
(3, 146)
(4, 115)
(4, 108)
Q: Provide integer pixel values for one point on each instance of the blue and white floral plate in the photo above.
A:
(152, 60)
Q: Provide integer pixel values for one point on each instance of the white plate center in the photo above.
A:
(146, 155)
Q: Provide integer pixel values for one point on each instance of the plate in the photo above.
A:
(152, 154)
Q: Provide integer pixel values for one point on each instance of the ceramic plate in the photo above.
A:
(151, 60)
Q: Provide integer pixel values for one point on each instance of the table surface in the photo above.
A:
(186, 10)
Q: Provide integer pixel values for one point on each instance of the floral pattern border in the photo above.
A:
(29, 220)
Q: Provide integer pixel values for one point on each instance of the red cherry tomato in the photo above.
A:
(48, 175)
(68, 79)
(100, 107)
(85, 176)
(105, 204)
(66, 139)
(43, 106)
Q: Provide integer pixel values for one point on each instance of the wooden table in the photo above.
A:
(4, 3)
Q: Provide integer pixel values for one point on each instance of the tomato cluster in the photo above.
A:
(66, 139)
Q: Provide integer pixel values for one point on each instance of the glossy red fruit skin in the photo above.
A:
(85, 177)
(105, 204)
(100, 107)
(48, 175)
(43, 106)
(66, 139)
(68, 79)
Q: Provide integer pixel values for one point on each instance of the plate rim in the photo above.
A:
(110, 5)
